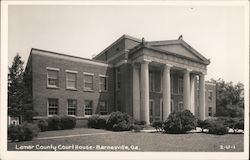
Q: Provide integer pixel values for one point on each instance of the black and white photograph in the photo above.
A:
(124, 80)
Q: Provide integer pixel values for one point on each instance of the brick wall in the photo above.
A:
(41, 93)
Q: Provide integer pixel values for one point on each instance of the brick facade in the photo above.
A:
(117, 57)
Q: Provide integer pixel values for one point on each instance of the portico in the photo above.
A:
(192, 71)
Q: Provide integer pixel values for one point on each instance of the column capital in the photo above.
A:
(145, 61)
(188, 70)
(168, 65)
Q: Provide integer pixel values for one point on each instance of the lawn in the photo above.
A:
(102, 140)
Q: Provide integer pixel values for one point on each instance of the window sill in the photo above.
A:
(52, 87)
(103, 91)
(88, 90)
(72, 89)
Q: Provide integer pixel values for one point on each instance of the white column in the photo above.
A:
(192, 93)
(136, 93)
(144, 92)
(166, 92)
(202, 96)
(186, 90)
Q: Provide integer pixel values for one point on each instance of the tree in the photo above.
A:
(229, 99)
(19, 92)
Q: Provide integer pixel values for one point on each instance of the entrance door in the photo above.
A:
(151, 110)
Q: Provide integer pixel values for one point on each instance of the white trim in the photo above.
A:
(75, 88)
(52, 68)
(70, 58)
(121, 63)
(87, 73)
(71, 71)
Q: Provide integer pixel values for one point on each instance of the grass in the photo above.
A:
(192, 142)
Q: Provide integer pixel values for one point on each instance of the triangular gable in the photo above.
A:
(178, 47)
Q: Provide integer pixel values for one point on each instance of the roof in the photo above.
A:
(125, 36)
(68, 56)
(153, 45)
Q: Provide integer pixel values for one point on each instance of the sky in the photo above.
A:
(217, 32)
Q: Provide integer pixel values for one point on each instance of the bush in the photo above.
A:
(54, 123)
(68, 122)
(136, 128)
(29, 131)
(119, 121)
(157, 125)
(218, 129)
(139, 122)
(240, 124)
(97, 121)
(180, 122)
(93, 120)
(43, 125)
(204, 124)
(235, 123)
(24, 132)
(15, 133)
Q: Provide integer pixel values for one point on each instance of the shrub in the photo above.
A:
(97, 121)
(180, 122)
(119, 121)
(29, 131)
(14, 132)
(68, 122)
(139, 122)
(204, 124)
(54, 123)
(42, 124)
(240, 124)
(24, 132)
(157, 125)
(136, 128)
(93, 120)
(218, 129)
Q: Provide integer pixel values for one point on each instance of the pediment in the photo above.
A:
(178, 49)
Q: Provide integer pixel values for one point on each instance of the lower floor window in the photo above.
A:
(209, 111)
(88, 107)
(72, 105)
(52, 106)
(103, 107)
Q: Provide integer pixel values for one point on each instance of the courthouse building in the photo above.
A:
(146, 79)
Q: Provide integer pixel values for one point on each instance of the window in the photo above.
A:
(103, 108)
(151, 107)
(180, 86)
(103, 84)
(210, 96)
(71, 79)
(151, 81)
(180, 106)
(172, 105)
(118, 79)
(88, 81)
(172, 84)
(52, 106)
(72, 105)
(88, 107)
(209, 111)
(52, 78)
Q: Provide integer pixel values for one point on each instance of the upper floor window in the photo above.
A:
(103, 84)
(103, 107)
(180, 85)
(72, 105)
(71, 79)
(210, 96)
(52, 77)
(88, 81)
(52, 106)
(118, 79)
(88, 107)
